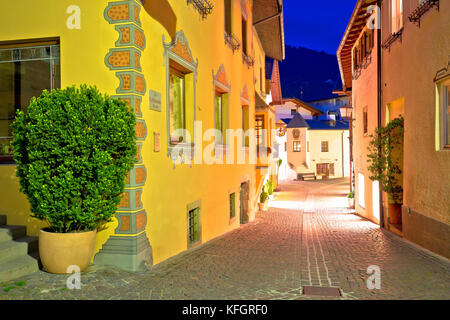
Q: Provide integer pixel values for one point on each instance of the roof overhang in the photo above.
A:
(344, 53)
(268, 22)
(304, 105)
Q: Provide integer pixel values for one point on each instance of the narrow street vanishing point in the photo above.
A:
(307, 238)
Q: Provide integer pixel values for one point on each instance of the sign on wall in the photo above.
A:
(157, 142)
(155, 100)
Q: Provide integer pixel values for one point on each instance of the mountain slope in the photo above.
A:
(313, 72)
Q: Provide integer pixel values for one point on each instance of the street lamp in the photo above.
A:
(346, 112)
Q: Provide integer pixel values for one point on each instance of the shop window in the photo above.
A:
(26, 69)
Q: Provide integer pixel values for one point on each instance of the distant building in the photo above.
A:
(330, 106)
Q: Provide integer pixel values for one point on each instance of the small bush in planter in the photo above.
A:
(269, 187)
(351, 195)
(73, 148)
(264, 196)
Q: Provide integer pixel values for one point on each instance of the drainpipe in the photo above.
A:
(379, 102)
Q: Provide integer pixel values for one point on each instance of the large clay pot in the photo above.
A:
(58, 251)
(395, 213)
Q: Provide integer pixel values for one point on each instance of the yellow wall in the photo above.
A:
(168, 190)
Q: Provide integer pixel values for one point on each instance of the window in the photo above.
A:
(365, 121)
(177, 109)
(245, 125)
(194, 226)
(232, 205)
(259, 127)
(331, 169)
(228, 16)
(293, 112)
(244, 35)
(445, 109)
(221, 116)
(396, 15)
(26, 69)
(297, 146)
(324, 146)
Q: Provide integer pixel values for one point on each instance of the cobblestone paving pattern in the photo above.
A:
(307, 238)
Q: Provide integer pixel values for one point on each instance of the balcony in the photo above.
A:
(248, 60)
(204, 7)
(417, 14)
(232, 41)
(391, 39)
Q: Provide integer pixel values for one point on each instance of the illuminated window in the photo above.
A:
(324, 146)
(245, 125)
(396, 15)
(232, 205)
(297, 146)
(26, 69)
(221, 115)
(177, 108)
(259, 127)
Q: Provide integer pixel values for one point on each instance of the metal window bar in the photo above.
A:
(417, 14)
(204, 7)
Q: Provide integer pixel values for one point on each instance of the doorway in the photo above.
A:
(244, 196)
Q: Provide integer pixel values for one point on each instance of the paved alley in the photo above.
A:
(307, 238)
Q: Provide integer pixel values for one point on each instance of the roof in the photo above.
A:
(297, 122)
(304, 105)
(355, 26)
(325, 125)
(268, 22)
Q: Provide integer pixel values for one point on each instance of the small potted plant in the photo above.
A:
(351, 200)
(73, 148)
(269, 188)
(263, 200)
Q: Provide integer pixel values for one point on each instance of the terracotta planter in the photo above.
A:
(263, 206)
(58, 251)
(395, 213)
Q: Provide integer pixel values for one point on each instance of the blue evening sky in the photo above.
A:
(316, 24)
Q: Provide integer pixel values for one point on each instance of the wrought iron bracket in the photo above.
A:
(232, 41)
(417, 14)
(392, 38)
(248, 60)
(204, 7)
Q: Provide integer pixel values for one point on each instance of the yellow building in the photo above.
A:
(185, 68)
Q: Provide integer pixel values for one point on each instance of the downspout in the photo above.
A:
(379, 102)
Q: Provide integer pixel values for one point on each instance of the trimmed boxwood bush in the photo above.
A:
(73, 148)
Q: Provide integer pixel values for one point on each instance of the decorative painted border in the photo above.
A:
(123, 59)
(123, 11)
(133, 37)
(131, 82)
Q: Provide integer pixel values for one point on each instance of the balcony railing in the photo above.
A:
(248, 60)
(204, 7)
(232, 41)
(417, 14)
(392, 38)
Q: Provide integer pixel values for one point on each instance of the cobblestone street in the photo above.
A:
(307, 238)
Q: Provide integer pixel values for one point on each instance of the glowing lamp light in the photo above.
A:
(346, 112)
